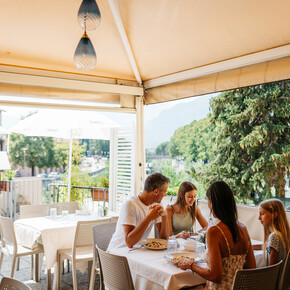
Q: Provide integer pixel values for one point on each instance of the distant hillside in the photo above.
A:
(161, 128)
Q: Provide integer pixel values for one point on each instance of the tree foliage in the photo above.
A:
(245, 138)
(162, 149)
(100, 147)
(39, 151)
(193, 141)
(252, 143)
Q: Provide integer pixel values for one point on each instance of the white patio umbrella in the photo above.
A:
(66, 125)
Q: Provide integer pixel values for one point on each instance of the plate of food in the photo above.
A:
(176, 257)
(154, 244)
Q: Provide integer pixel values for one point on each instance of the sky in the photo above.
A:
(13, 114)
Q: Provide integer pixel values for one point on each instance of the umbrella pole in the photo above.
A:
(69, 165)
(8, 141)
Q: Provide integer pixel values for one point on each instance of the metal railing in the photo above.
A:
(96, 193)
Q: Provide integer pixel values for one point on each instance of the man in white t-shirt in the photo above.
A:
(139, 214)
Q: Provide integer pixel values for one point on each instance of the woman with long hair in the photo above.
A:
(182, 214)
(228, 243)
(273, 218)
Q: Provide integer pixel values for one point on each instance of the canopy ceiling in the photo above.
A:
(173, 49)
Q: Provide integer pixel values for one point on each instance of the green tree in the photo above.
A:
(252, 143)
(98, 146)
(162, 149)
(39, 151)
(194, 141)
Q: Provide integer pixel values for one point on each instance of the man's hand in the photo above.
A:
(158, 209)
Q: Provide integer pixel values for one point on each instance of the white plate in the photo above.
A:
(144, 242)
(169, 257)
(51, 217)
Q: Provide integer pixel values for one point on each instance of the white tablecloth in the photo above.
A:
(53, 234)
(150, 270)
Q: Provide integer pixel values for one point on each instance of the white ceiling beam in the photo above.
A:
(241, 61)
(66, 106)
(68, 84)
(114, 4)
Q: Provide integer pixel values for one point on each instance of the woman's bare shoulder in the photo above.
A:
(214, 230)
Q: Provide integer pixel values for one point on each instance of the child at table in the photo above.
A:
(182, 214)
(273, 218)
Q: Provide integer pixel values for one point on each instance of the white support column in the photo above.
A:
(113, 169)
(69, 165)
(140, 146)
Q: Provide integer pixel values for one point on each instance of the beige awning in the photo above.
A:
(174, 49)
(265, 72)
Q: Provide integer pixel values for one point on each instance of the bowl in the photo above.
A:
(189, 245)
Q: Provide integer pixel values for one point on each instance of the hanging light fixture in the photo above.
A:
(89, 16)
(85, 57)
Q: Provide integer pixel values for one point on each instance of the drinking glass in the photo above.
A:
(53, 212)
(171, 245)
(65, 214)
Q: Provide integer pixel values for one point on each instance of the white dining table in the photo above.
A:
(152, 271)
(53, 233)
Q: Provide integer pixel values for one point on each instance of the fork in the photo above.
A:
(136, 248)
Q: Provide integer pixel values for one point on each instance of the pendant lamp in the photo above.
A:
(85, 56)
(89, 15)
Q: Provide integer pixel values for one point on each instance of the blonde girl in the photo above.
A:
(273, 218)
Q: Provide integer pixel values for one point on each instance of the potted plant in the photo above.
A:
(7, 176)
(101, 193)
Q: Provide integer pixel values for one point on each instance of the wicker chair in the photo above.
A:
(36, 210)
(82, 249)
(16, 250)
(115, 270)
(102, 235)
(70, 206)
(258, 279)
(114, 219)
(12, 284)
(285, 275)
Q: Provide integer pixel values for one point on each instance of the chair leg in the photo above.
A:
(18, 263)
(1, 260)
(31, 267)
(36, 268)
(13, 266)
(58, 270)
(93, 276)
(48, 279)
(74, 273)
(90, 269)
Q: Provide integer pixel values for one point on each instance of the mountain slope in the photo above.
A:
(161, 128)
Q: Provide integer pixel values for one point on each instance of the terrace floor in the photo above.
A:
(23, 275)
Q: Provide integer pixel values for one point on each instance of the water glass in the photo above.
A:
(53, 212)
(100, 211)
(64, 214)
(171, 245)
(200, 248)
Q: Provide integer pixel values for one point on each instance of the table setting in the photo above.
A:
(153, 266)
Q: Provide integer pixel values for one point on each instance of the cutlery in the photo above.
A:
(136, 248)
